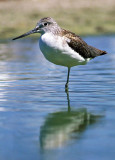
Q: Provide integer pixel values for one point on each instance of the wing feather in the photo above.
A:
(80, 46)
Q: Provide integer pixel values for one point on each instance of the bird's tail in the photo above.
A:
(96, 52)
(103, 52)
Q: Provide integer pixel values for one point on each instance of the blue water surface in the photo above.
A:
(40, 121)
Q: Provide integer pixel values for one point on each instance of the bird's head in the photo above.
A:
(47, 24)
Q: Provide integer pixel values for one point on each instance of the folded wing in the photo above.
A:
(81, 47)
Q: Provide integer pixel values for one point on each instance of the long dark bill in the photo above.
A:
(26, 34)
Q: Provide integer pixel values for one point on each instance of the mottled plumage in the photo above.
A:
(80, 46)
(62, 47)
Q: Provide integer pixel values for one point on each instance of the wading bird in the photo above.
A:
(61, 46)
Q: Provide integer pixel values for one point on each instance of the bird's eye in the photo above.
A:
(45, 24)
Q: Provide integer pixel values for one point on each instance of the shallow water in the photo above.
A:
(38, 120)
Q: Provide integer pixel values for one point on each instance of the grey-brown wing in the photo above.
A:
(81, 47)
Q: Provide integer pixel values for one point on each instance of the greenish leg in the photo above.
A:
(66, 85)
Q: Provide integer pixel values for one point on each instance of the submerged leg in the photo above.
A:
(66, 85)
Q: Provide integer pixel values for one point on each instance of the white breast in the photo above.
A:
(57, 51)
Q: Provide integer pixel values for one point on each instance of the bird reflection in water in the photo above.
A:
(61, 127)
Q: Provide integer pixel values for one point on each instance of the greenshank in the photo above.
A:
(62, 47)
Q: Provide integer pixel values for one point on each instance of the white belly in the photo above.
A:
(57, 51)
